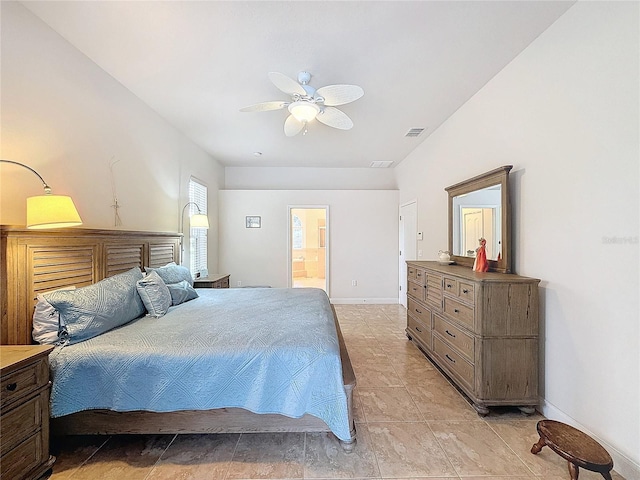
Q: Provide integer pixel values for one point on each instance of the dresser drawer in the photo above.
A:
(466, 291)
(455, 336)
(415, 290)
(451, 286)
(454, 361)
(224, 283)
(25, 457)
(23, 382)
(458, 312)
(411, 273)
(419, 312)
(419, 331)
(21, 422)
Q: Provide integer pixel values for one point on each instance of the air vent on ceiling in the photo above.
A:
(381, 164)
(414, 132)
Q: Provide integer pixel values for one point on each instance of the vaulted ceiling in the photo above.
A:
(197, 63)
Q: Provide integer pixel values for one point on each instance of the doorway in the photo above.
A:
(407, 242)
(308, 247)
(479, 222)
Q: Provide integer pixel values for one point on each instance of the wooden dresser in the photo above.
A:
(481, 329)
(24, 402)
(214, 280)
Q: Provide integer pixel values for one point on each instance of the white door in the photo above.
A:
(408, 244)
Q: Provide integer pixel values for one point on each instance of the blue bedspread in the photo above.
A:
(265, 350)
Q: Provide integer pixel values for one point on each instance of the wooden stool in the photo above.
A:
(578, 448)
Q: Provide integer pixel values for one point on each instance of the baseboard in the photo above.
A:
(365, 301)
(622, 464)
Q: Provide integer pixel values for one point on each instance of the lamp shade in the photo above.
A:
(51, 211)
(304, 111)
(199, 220)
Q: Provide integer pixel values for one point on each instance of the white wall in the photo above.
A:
(284, 178)
(565, 114)
(362, 235)
(66, 118)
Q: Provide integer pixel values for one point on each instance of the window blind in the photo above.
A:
(197, 236)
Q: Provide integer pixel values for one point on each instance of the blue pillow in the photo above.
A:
(90, 311)
(155, 294)
(181, 292)
(172, 273)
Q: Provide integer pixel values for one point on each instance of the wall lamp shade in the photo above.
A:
(199, 220)
(304, 111)
(49, 211)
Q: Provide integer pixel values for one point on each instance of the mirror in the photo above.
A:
(480, 208)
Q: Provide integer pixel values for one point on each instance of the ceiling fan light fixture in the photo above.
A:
(304, 111)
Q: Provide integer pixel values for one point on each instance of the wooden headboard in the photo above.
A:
(38, 261)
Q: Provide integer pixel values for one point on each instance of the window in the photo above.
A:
(197, 236)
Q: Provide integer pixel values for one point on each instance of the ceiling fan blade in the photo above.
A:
(340, 94)
(335, 118)
(264, 106)
(286, 84)
(292, 126)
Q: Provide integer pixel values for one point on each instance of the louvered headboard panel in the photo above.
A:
(53, 268)
(38, 261)
(162, 253)
(120, 258)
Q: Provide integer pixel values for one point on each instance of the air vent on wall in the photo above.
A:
(385, 164)
(414, 132)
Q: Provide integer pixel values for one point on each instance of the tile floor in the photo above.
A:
(411, 423)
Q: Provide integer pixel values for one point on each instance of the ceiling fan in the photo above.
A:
(308, 104)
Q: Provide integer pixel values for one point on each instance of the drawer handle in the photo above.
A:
(450, 334)
(419, 274)
(465, 291)
(418, 311)
(456, 310)
(449, 358)
(417, 329)
(12, 386)
(449, 285)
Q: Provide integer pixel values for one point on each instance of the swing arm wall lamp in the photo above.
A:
(48, 210)
(197, 220)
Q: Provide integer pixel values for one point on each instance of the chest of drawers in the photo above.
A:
(212, 281)
(24, 407)
(481, 329)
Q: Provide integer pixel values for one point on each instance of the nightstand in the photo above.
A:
(24, 404)
(214, 280)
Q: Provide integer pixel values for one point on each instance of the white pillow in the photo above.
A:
(46, 320)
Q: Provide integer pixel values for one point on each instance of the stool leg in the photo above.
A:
(537, 446)
(574, 471)
(607, 475)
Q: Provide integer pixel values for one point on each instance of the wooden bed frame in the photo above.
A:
(37, 261)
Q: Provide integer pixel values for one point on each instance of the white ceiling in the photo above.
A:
(198, 62)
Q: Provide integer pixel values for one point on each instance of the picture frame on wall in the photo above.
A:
(253, 221)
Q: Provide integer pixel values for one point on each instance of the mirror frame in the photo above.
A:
(499, 176)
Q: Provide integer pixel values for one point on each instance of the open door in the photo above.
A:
(308, 247)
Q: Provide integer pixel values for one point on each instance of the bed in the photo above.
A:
(35, 262)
